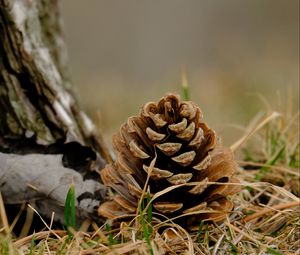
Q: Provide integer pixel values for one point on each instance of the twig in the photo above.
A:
(38, 235)
(267, 210)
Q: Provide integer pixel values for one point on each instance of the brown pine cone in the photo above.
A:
(173, 134)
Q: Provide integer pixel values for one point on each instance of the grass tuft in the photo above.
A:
(265, 219)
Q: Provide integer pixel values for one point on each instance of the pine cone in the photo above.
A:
(172, 134)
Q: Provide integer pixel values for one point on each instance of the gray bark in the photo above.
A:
(36, 100)
(38, 111)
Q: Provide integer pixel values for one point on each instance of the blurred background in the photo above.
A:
(239, 56)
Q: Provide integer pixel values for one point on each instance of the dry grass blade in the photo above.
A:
(267, 119)
(146, 184)
(28, 222)
(16, 219)
(160, 193)
(279, 190)
(38, 236)
(281, 169)
(46, 225)
(215, 251)
(3, 216)
(245, 234)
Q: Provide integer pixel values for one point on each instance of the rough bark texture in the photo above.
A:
(38, 111)
(36, 102)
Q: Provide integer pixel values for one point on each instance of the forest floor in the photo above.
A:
(265, 220)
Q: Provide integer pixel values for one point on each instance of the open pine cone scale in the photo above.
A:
(186, 153)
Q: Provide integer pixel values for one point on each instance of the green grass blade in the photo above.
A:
(271, 162)
(273, 251)
(67, 210)
(199, 232)
(147, 231)
(233, 249)
(185, 86)
(70, 209)
(32, 244)
(110, 236)
(149, 212)
(294, 157)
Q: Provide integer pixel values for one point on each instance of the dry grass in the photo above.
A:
(265, 219)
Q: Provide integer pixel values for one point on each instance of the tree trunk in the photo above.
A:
(39, 113)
